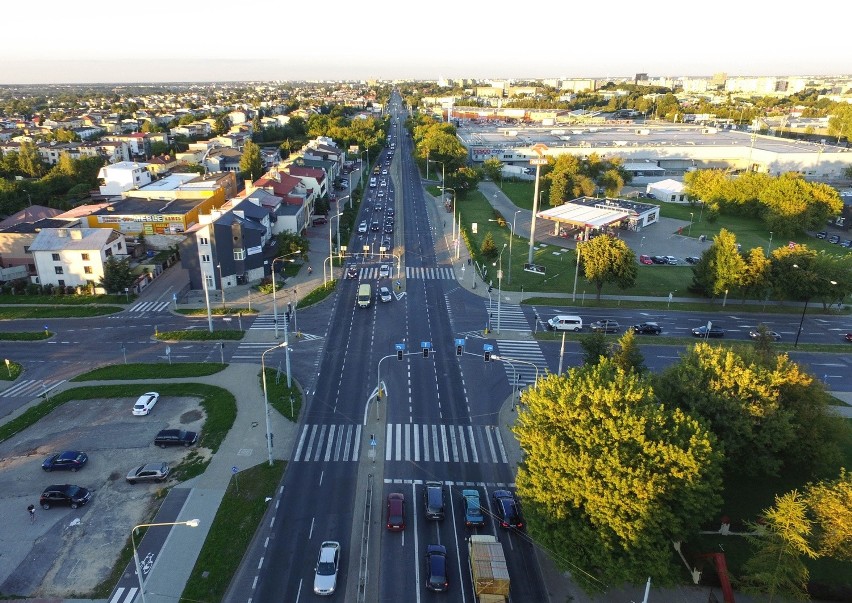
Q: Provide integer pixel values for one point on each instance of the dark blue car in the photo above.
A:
(70, 460)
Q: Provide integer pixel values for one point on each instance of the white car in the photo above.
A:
(362, 227)
(325, 576)
(145, 403)
(384, 271)
(385, 294)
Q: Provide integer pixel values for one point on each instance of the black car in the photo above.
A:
(508, 510)
(659, 259)
(605, 326)
(702, 331)
(647, 328)
(64, 494)
(834, 239)
(821, 234)
(175, 437)
(70, 460)
(433, 500)
(436, 568)
(351, 272)
(691, 259)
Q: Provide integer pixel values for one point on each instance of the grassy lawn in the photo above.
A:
(218, 311)
(236, 522)
(47, 312)
(279, 394)
(200, 335)
(62, 300)
(25, 336)
(11, 371)
(133, 371)
(317, 295)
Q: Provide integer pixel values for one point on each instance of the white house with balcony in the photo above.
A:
(72, 257)
(123, 176)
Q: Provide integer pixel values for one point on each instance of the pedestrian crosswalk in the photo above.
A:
(266, 322)
(450, 483)
(405, 442)
(31, 388)
(511, 318)
(150, 307)
(438, 273)
(124, 595)
(529, 358)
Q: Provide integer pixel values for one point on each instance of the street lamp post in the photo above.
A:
(805, 308)
(207, 301)
(511, 238)
(691, 216)
(769, 247)
(193, 523)
(538, 162)
(337, 215)
(266, 396)
(500, 285)
(221, 284)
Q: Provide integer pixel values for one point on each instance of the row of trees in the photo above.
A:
(619, 462)
(788, 204)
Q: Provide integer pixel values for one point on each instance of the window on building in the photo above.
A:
(87, 269)
(85, 257)
(55, 257)
(239, 254)
(58, 270)
(119, 245)
(108, 252)
(209, 280)
(61, 283)
(203, 241)
(205, 258)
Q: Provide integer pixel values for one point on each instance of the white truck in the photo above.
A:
(516, 171)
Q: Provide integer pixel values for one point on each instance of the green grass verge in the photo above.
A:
(317, 295)
(133, 371)
(231, 311)
(279, 394)
(48, 312)
(235, 524)
(62, 300)
(200, 335)
(10, 371)
(26, 336)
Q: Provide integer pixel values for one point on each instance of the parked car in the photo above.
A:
(325, 572)
(152, 472)
(605, 326)
(70, 460)
(702, 331)
(821, 234)
(834, 239)
(433, 500)
(175, 437)
(396, 512)
(847, 243)
(647, 328)
(645, 259)
(691, 259)
(436, 568)
(385, 294)
(472, 510)
(508, 510)
(756, 334)
(64, 494)
(145, 403)
(671, 260)
(659, 259)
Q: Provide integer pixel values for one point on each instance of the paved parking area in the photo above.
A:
(70, 551)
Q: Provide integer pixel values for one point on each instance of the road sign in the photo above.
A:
(538, 161)
(534, 268)
(235, 469)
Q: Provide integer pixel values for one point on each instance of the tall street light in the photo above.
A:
(500, 284)
(266, 396)
(515, 217)
(442, 168)
(330, 251)
(807, 300)
(193, 523)
(221, 284)
(450, 188)
(769, 247)
(275, 313)
(537, 162)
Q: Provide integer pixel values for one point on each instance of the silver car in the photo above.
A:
(325, 576)
(152, 472)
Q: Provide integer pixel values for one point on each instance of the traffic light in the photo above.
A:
(459, 350)
(487, 354)
(490, 288)
(399, 354)
(425, 352)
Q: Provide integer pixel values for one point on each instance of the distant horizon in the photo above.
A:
(341, 41)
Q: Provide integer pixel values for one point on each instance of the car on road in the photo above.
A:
(647, 328)
(375, 226)
(390, 211)
(508, 509)
(64, 494)
(362, 227)
(691, 259)
(758, 332)
(325, 572)
(145, 403)
(175, 437)
(821, 234)
(433, 500)
(388, 229)
(69, 460)
(645, 259)
(351, 272)
(384, 271)
(605, 326)
(385, 294)
(396, 512)
(152, 472)
(436, 568)
(702, 331)
(848, 337)
(472, 510)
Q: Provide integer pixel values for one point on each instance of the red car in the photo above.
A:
(645, 259)
(848, 337)
(396, 512)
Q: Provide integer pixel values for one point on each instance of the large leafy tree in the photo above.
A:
(29, 161)
(721, 267)
(829, 502)
(117, 275)
(251, 163)
(606, 259)
(611, 476)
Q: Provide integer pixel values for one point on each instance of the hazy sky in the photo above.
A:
(110, 41)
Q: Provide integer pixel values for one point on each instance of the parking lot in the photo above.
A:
(69, 551)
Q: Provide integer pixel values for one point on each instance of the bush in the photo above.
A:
(501, 221)
(488, 248)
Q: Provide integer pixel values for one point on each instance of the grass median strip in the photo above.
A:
(48, 312)
(200, 335)
(287, 401)
(25, 336)
(134, 371)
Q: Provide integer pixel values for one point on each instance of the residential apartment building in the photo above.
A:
(75, 257)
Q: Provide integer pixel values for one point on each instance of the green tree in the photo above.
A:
(611, 476)
(606, 259)
(65, 165)
(776, 568)
(251, 163)
(488, 248)
(492, 168)
(292, 243)
(721, 267)
(29, 161)
(829, 504)
(595, 347)
(117, 275)
(626, 354)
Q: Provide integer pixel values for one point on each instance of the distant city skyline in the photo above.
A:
(339, 40)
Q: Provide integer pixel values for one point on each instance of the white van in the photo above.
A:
(565, 323)
(365, 295)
